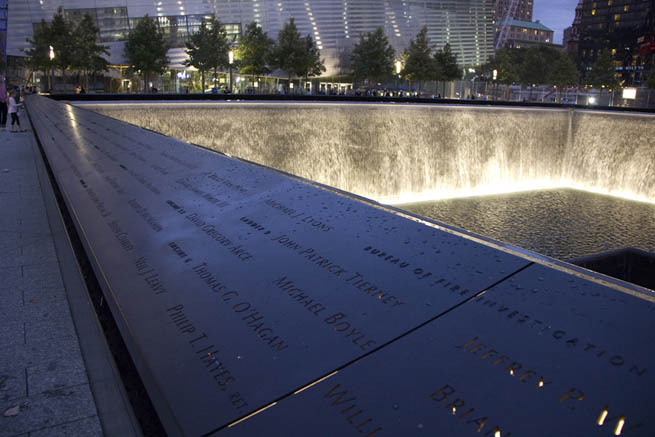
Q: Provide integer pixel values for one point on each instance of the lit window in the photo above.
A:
(593, 12)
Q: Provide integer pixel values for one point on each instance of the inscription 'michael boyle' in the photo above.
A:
(338, 322)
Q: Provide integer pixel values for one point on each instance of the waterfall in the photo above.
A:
(401, 152)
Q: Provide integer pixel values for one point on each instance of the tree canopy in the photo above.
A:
(535, 65)
(564, 72)
(208, 48)
(62, 41)
(445, 65)
(39, 52)
(145, 49)
(309, 63)
(87, 53)
(419, 64)
(650, 82)
(285, 54)
(255, 51)
(372, 57)
(296, 54)
(603, 72)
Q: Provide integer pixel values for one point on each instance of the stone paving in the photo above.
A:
(44, 388)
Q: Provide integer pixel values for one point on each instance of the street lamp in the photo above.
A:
(230, 57)
(51, 55)
(399, 67)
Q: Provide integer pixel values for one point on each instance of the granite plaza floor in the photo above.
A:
(53, 381)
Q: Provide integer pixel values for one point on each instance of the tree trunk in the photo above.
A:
(202, 80)
(146, 81)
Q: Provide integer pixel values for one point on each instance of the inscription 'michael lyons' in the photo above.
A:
(304, 218)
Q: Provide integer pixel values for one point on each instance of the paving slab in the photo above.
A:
(50, 408)
(87, 427)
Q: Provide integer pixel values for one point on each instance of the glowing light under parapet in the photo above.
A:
(491, 190)
(74, 124)
(486, 190)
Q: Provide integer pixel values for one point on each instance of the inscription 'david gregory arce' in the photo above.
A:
(252, 292)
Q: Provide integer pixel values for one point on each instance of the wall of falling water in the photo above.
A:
(404, 153)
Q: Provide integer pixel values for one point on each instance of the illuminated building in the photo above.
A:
(335, 25)
(616, 25)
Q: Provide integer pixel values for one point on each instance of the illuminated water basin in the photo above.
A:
(399, 153)
(561, 223)
(403, 154)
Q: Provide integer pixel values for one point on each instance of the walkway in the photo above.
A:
(52, 380)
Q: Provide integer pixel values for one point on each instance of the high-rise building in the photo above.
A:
(523, 9)
(617, 26)
(571, 38)
(335, 25)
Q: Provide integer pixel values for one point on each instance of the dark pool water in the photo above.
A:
(562, 223)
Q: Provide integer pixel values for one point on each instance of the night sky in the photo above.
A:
(556, 14)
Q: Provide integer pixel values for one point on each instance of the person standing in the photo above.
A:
(13, 112)
(3, 106)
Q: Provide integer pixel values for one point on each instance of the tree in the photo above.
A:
(419, 65)
(255, 51)
(309, 63)
(563, 73)
(208, 48)
(650, 82)
(445, 65)
(603, 72)
(286, 53)
(145, 49)
(61, 37)
(507, 66)
(39, 52)
(87, 53)
(372, 57)
(536, 65)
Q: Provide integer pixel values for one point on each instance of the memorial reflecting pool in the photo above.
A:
(560, 223)
(403, 154)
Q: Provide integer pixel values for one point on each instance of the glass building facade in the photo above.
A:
(335, 25)
(617, 25)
